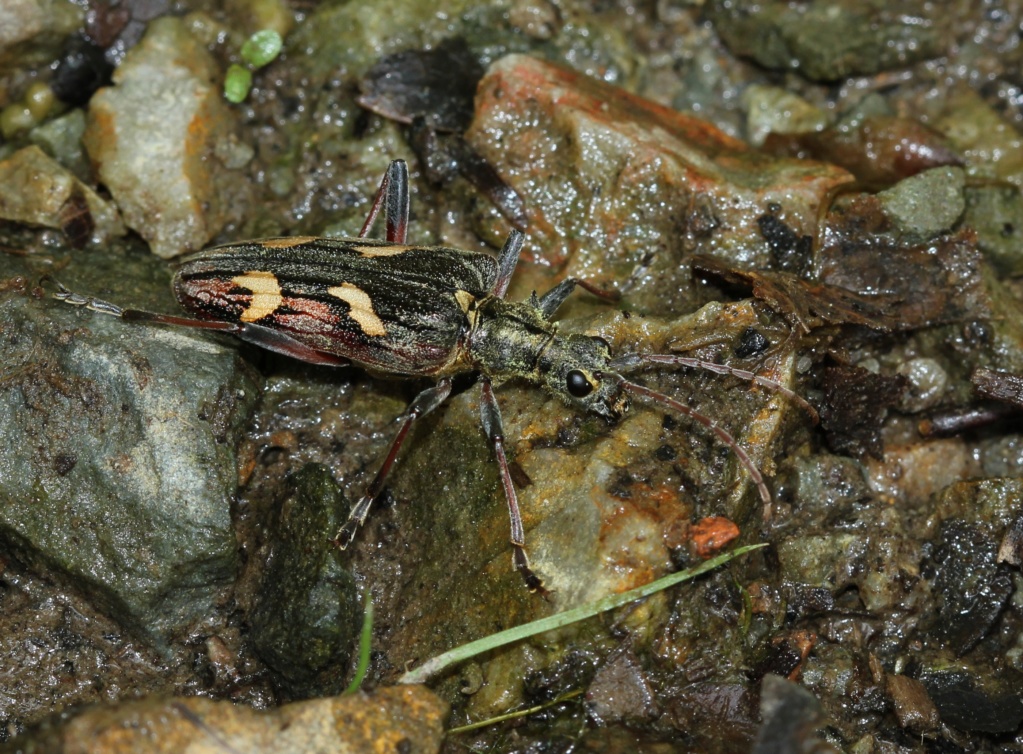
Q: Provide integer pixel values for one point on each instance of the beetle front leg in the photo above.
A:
(490, 415)
(423, 404)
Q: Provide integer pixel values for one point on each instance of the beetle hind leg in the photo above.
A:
(490, 414)
(264, 337)
(393, 197)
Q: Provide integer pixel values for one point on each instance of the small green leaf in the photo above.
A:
(237, 83)
(261, 48)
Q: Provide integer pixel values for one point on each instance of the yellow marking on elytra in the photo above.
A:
(467, 303)
(465, 300)
(390, 250)
(360, 308)
(266, 294)
(285, 243)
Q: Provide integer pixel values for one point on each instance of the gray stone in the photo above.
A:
(119, 464)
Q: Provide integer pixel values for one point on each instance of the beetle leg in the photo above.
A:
(506, 262)
(421, 405)
(490, 416)
(393, 196)
(549, 302)
(264, 337)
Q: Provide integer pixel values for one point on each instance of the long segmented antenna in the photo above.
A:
(722, 434)
(636, 361)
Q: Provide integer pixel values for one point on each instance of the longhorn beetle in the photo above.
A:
(415, 311)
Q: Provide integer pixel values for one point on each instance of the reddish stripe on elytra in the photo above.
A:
(213, 296)
(306, 315)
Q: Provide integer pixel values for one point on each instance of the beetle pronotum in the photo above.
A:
(416, 311)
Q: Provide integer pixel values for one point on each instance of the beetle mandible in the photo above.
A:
(416, 312)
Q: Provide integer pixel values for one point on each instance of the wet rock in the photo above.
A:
(992, 502)
(775, 110)
(1011, 549)
(120, 464)
(791, 716)
(991, 145)
(36, 190)
(846, 538)
(166, 113)
(878, 148)
(996, 213)
(911, 703)
(926, 204)
(855, 403)
(621, 691)
(405, 719)
(61, 139)
(619, 189)
(81, 69)
(600, 503)
(788, 653)
(911, 473)
(307, 617)
(976, 701)
(350, 37)
(715, 717)
(32, 31)
(970, 586)
(926, 382)
(826, 41)
(256, 15)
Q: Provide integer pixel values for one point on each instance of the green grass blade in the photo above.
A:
(443, 661)
(365, 640)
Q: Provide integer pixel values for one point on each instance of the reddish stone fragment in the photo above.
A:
(711, 535)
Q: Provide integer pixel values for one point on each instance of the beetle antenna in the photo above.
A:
(639, 360)
(722, 434)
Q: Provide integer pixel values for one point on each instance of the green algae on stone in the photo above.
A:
(926, 204)
(826, 40)
(32, 31)
(61, 139)
(995, 211)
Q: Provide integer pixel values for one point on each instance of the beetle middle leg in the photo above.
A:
(421, 405)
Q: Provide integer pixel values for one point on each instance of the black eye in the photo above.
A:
(577, 384)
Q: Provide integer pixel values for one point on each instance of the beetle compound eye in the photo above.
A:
(577, 384)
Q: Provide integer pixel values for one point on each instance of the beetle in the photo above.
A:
(417, 312)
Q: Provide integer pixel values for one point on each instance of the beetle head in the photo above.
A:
(577, 367)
